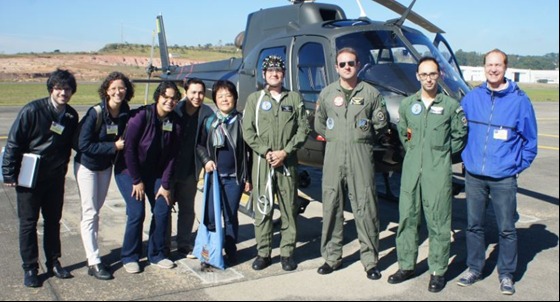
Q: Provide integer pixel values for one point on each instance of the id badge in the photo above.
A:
(57, 128)
(501, 134)
(167, 126)
(112, 129)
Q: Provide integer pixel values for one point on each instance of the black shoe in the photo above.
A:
(326, 269)
(437, 283)
(288, 263)
(30, 278)
(400, 276)
(58, 271)
(373, 274)
(261, 263)
(99, 271)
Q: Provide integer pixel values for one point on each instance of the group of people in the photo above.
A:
(158, 151)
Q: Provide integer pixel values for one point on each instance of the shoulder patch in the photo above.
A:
(459, 109)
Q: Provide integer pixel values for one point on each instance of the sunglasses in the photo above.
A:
(343, 64)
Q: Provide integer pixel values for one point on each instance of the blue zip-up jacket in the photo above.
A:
(502, 131)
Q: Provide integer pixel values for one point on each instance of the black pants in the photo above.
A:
(47, 197)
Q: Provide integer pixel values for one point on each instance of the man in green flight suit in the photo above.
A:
(275, 126)
(432, 127)
(350, 115)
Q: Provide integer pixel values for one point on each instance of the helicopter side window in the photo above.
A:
(311, 74)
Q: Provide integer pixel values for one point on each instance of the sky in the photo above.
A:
(519, 27)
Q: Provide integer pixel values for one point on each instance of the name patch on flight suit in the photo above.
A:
(112, 129)
(357, 100)
(57, 128)
(338, 101)
(436, 110)
(330, 123)
(416, 109)
(287, 108)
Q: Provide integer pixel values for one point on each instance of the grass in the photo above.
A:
(19, 94)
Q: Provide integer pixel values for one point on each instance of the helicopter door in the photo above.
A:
(309, 66)
(441, 44)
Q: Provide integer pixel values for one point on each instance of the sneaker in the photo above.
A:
(132, 267)
(468, 279)
(506, 286)
(190, 255)
(165, 263)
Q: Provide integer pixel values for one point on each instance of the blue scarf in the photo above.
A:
(219, 134)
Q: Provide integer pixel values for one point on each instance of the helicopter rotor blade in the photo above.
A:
(410, 15)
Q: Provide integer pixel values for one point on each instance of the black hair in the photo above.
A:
(160, 90)
(113, 76)
(61, 78)
(187, 82)
(424, 59)
(224, 84)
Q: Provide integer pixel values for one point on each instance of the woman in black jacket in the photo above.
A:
(222, 150)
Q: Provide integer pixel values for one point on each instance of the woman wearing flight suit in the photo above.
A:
(275, 126)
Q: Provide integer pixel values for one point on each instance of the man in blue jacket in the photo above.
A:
(502, 142)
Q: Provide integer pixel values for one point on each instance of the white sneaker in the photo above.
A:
(190, 255)
(132, 267)
(165, 263)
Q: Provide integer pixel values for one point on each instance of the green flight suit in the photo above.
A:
(435, 134)
(351, 124)
(272, 125)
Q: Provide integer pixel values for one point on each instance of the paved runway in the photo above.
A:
(537, 276)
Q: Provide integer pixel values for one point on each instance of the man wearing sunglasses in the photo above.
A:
(432, 127)
(351, 116)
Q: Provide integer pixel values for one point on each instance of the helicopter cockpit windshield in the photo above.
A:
(388, 63)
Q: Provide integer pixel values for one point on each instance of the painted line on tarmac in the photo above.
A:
(549, 135)
(549, 148)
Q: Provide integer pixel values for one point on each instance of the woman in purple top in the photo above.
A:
(152, 139)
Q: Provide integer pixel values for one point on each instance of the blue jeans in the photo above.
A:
(136, 212)
(503, 192)
(231, 195)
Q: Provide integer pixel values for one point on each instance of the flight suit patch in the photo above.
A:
(464, 121)
(380, 115)
(357, 100)
(338, 101)
(330, 123)
(436, 110)
(287, 108)
(363, 124)
(416, 109)
(266, 105)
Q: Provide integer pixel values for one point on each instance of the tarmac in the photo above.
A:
(537, 277)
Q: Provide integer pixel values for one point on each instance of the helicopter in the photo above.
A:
(307, 35)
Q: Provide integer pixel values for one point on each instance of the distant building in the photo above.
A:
(476, 74)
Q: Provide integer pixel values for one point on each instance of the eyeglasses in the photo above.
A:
(432, 75)
(343, 64)
(65, 88)
(275, 69)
